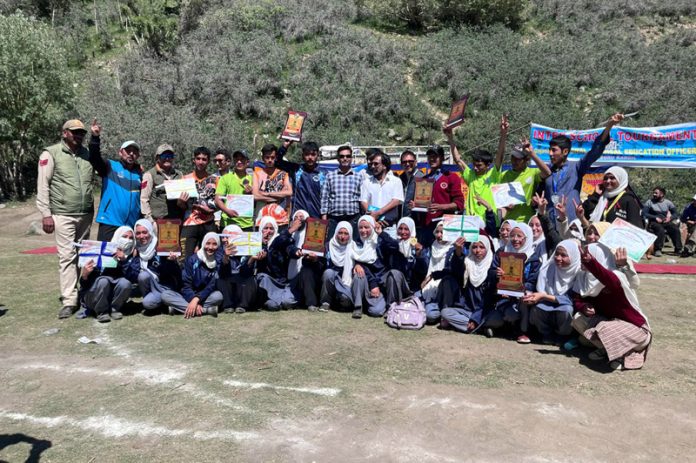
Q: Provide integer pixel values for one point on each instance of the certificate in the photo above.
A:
(243, 205)
(315, 236)
(622, 234)
(101, 252)
(456, 116)
(174, 188)
(423, 195)
(512, 281)
(168, 237)
(247, 243)
(508, 194)
(293, 126)
(456, 226)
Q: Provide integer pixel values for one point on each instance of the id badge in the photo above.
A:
(555, 199)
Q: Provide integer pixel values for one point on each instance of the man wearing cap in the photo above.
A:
(64, 198)
(688, 218)
(120, 197)
(528, 177)
(236, 182)
(153, 198)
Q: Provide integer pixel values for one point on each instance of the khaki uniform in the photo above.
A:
(65, 192)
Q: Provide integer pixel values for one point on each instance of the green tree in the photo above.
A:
(36, 92)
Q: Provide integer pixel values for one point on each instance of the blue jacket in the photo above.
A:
(414, 268)
(168, 271)
(198, 280)
(278, 259)
(306, 186)
(120, 197)
(481, 299)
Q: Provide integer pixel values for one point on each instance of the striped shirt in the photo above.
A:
(340, 194)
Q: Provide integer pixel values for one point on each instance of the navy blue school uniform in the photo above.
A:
(168, 275)
(448, 291)
(272, 272)
(116, 288)
(414, 268)
(477, 301)
(198, 280)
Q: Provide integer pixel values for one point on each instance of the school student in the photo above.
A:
(479, 291)
(440, 288)
(155, 274)
(105, 291)
(199, 294)
(236, 279)
(305, 271)
(336, 290)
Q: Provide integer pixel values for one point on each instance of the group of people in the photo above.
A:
(381, 250)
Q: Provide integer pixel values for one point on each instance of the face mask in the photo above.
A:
(125, 244)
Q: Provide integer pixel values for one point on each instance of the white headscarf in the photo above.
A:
(622, 176)
(405, 246)
(538, 244)
(124, 244)
(299, 237)
(438, 254)
(578, 235)
(337, 251)
(232, 229)
(209, 261)
(265, 220)
(147, 251)
(367, 253)
(586, 285)
(476, 271)
(527, 248)
(499, 242)
(555, 280)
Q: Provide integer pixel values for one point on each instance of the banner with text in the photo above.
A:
(672, 146)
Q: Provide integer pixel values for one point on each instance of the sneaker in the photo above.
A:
(357, 313)
(571, 345)
(171, 310)
(240, 310)
(313, 308)
(616, 365)
(523, 339)
(657, 254)
(599, 354)
(324, 307)
(685, 253)
(212, 311)
(67, 311)
(116, 315)
(103, 318)
(488, 332)
(228, 310)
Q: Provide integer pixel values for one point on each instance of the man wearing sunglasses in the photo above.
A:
(120, 198)
(340, 195)
(65, 199)
(153, 198)
(408, 178)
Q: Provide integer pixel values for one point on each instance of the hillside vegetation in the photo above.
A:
(225, 72)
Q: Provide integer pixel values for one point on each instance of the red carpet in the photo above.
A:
(46, 250)
(666, 268)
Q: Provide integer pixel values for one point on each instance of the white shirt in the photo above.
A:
(378, 194)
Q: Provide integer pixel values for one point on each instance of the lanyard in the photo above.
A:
(606, 210)
(556, 181)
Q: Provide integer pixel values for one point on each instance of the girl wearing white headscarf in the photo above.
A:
(617, 200)
(440, 283)
(510, 309)
(103, 291)
(539, 243)
(155, 274)
(617, 327)
(334, 290)
(273, 262)
(236, 279)
(364, 270)
(553, 306)
(199, 294)
(479, 291)
(305, 271)
(406, 262)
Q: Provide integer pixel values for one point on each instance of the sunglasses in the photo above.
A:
(408, 161)
(345, 156)
(166, 156)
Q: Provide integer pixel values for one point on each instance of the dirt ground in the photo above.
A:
(295, 386)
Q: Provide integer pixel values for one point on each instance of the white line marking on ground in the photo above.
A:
(106, 341)
(557, 411)
(325, 391)
(148, 375)
(110, 426)
(445, 402)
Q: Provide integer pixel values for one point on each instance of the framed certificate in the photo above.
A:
(315, 236)
(456, 226)
(101, 252)
(293, 126)
(247, 243)
(512, 281)
(168, 237)
(423, 195)
(456, 116)
(508, 194)
(241, 204)
(622, 234)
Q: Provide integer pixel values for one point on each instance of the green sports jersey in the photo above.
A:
(233, 184)
(479, 185)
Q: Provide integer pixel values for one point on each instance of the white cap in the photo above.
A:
(128, 143)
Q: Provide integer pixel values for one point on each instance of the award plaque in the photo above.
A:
(293, 126)
(456, 116)
(512, 281)
(168, 237)
(315, 236)
(423, 195)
